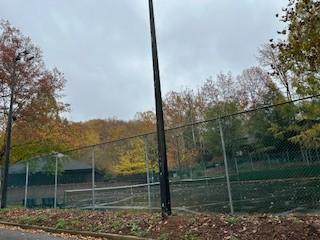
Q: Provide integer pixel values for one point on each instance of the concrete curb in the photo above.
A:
(73, 232)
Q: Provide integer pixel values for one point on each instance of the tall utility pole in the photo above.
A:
(162, 151)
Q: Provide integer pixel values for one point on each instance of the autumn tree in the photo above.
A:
(222, 97)
(224, 88)
(132, 158)
(254, 87)
(110, 156)
(299, 56)
(299, 52)
(36, 92)
(183, 107)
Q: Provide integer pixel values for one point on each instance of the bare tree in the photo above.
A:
(269, 58)
(254, 86)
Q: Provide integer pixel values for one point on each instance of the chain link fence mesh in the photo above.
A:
(260, 160)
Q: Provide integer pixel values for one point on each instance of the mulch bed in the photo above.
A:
(182, 226)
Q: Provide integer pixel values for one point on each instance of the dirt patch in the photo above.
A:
(182, 226)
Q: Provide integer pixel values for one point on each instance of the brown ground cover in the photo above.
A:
(181, 226)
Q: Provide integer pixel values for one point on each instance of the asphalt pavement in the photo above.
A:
(10, 234)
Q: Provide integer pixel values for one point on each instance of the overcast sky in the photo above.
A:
(103, 46)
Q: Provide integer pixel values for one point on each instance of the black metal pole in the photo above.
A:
(4, 189)
(162, 151)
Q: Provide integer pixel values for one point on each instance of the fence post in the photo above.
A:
(93, 179)
(26, 185)
(236, 165)
(307, 157)
(205, 173)
(302, 155)
(288, 156)
(178, 155)
(251, 162)
(56, 183)
(269, 161)
(148, 173)
(226, 167)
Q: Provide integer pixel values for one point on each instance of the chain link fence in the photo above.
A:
(264, 160)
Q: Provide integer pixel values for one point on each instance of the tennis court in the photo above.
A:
(206, 195)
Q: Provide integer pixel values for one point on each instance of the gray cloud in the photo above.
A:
(103, 47)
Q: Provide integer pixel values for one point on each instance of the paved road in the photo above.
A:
(8, 234)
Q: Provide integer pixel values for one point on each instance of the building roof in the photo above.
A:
(40, 164)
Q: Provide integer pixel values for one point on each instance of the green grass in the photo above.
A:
(61, 224)
(33, 220)
(232, 219)
(135, 228)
